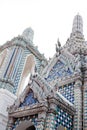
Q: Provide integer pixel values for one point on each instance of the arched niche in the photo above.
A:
(27, 71)
(25, 125)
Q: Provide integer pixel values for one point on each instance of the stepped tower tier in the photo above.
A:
(77, 24)
(76, 43)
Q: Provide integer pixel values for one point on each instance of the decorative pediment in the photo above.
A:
(29, 99)
(61, 66)
(59, 70)
(35, 92)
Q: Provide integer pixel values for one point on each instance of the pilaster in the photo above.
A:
(41, 121)
(85, 105)
(78, 105)
(51, 117)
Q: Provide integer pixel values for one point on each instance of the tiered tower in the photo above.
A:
(77, 46)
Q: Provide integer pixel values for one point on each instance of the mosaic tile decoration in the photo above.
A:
(29, 99)
(59, 70)
(64, 119)
(51, 121)
(68, 92)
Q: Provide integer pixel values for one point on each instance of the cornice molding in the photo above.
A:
(28, 110)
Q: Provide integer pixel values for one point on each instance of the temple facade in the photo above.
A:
(37, 94)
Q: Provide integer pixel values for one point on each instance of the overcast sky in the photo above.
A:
(50, 19)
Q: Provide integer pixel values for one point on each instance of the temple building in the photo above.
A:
(41, 94)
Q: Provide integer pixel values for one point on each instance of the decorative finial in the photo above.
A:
(58, 46)
(57, 49)
(58, 42)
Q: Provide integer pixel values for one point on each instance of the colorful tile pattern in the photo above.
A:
(64, 119)
(68, 92)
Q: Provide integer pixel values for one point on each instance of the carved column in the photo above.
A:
(78, 105)
(51, 118)
(41, 121)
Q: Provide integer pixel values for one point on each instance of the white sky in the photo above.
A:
(50, 19)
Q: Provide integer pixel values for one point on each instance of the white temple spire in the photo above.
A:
(77, 24)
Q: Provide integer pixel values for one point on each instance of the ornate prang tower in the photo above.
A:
(77, 46)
